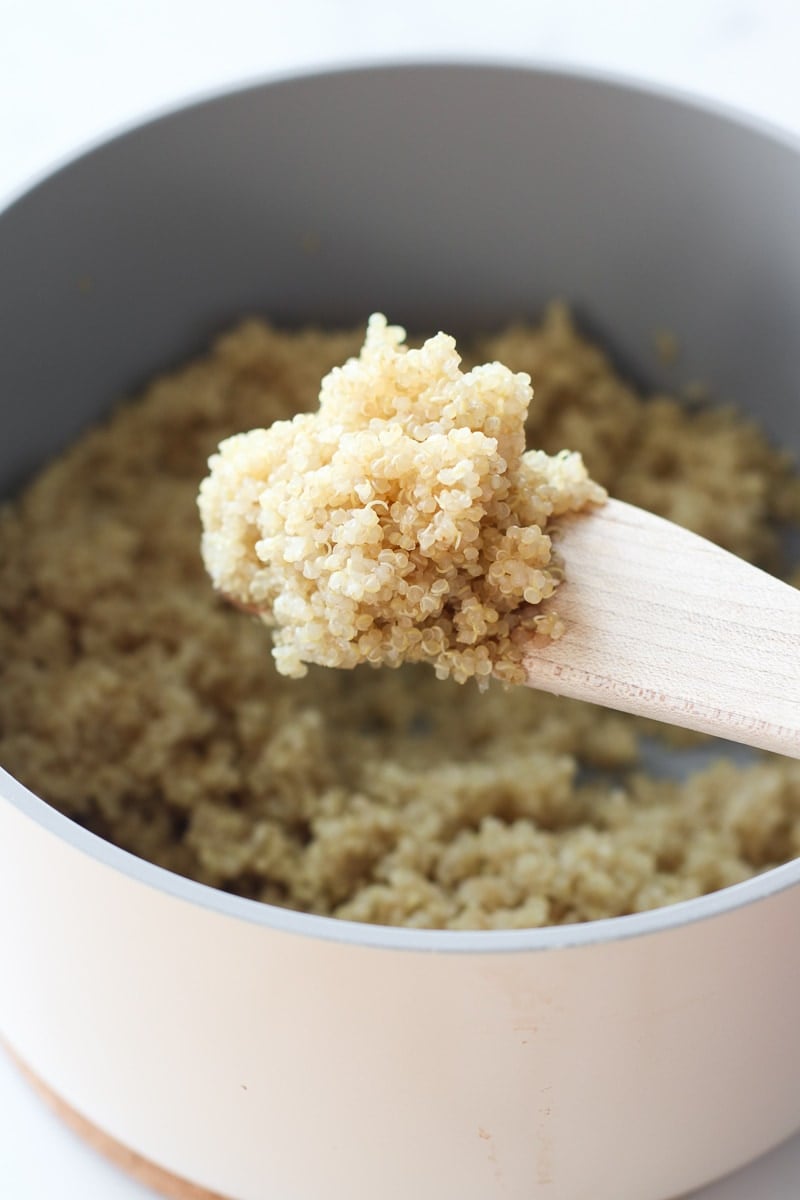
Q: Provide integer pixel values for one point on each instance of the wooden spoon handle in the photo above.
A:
(662, 623)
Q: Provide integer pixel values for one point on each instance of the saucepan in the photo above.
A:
(226, 1047)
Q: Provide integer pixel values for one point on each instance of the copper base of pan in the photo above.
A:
(149, 1174)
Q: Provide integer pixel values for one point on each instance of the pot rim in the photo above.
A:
(333, 929)
(605, 79)
(386, 937)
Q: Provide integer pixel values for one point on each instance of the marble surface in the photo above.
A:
(72, 71)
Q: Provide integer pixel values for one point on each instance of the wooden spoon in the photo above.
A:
(664, 624)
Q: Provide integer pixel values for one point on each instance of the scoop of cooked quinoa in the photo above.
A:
(403, 521)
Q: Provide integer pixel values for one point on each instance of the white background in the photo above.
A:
(73, 70)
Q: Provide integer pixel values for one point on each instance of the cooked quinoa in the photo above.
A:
(137, 701)
(401, 521)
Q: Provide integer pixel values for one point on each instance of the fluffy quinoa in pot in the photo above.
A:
(137, 701)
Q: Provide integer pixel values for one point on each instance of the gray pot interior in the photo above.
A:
(449, 197)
